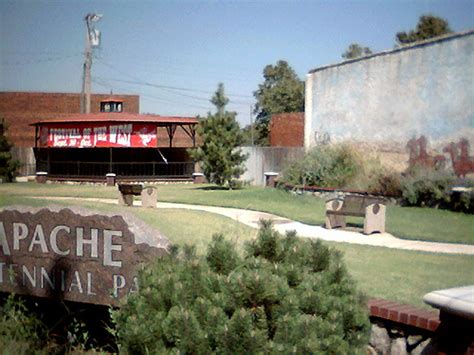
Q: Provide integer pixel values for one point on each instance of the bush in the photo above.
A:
(325, 166)
(20, 332)
(285, 295)
(427, 188)
(386, 183)
(8, 166)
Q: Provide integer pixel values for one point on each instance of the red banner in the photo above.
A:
(91, 135)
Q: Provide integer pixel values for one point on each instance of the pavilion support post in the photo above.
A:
(110, 161)
(171, 129)
(191, 133)
(193, 136)
(48, 159)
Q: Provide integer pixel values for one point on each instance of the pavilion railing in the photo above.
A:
(82, 169)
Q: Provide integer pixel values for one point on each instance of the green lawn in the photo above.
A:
(403, 276)
(404, 222)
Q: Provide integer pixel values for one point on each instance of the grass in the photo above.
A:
(403, 276)
(180, 226)
(404, 222)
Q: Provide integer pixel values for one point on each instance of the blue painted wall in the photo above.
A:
(387, 98)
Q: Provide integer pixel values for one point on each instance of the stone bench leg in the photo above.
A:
(125, 199)
(374, 220)
(332, 220)
(149, 197)
(335, 221)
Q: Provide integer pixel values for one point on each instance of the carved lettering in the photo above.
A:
(91, 258)
(3, 240)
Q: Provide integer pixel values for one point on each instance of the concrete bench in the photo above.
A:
(371, 208)
(126, 193)
(149, 194)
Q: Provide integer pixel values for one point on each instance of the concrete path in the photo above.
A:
(282, 225)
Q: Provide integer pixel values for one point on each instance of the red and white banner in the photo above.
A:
(90, 135)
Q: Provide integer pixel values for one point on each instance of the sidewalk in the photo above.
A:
(282, 225)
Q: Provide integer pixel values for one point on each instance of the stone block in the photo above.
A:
(379, 339)
(399, 347)
(199, 178)
(110, 179)
(270, 178)
(149, 197)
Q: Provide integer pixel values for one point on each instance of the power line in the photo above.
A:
(37, 61)
(170, 90)
(179, 66)
(139, 81)
(109, 86)
(103, 82)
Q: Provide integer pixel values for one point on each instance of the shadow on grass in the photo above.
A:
(212, 188)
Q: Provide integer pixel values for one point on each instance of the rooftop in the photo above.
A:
(116, 117)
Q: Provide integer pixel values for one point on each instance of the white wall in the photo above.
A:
(390, 97)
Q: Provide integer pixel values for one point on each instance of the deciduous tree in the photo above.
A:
(355, 50)
(428, 26)
(281, 91)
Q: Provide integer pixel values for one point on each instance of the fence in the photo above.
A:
(79, 169)
(266, 159)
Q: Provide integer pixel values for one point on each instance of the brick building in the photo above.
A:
(29, 115)
(21, 109)
(287, 130)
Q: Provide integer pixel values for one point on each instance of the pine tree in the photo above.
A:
(284, 295)
(219, 154)
(8, 166)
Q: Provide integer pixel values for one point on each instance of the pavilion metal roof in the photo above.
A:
(117, 117)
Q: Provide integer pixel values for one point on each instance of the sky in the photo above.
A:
(174, 53)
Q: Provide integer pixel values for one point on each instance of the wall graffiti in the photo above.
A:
(322, 137)
(462, 162)
(418, 156)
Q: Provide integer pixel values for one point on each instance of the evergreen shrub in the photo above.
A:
(219, 154)
(8, 166)
(283, 295)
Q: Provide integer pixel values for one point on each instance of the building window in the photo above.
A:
(111, 106)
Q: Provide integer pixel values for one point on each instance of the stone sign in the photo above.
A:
(74, 254)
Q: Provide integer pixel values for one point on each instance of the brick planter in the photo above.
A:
(41, 177)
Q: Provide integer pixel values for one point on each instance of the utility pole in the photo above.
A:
(251, 125)
(92, 40)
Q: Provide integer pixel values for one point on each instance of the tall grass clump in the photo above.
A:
(324, 166)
